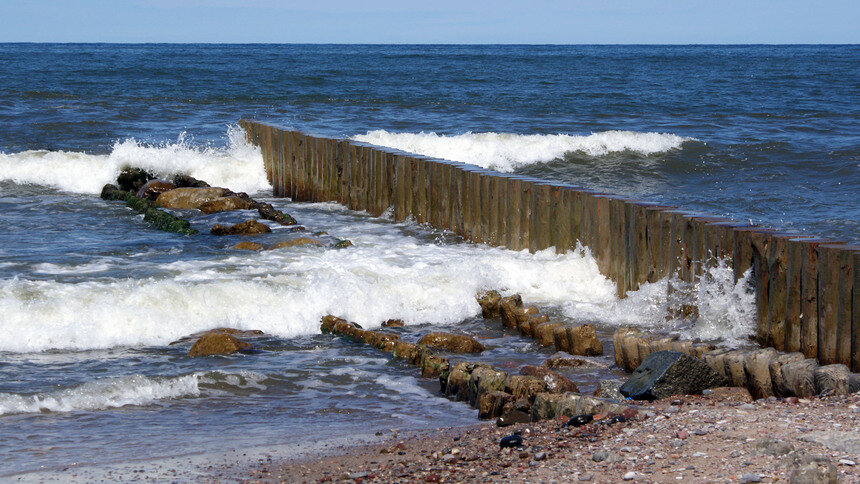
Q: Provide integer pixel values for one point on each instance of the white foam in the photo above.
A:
(102, 394)
(238, 166)
(506, 151)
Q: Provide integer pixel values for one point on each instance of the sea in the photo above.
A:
(91, 296)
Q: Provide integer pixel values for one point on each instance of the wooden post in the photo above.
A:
(486, 207)
(513, 216)
(799, 289)
(656, 242)
(761, 241)
(561, 217)
(526, 189)
(835, 300)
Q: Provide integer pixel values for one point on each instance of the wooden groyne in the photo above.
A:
(805, 287)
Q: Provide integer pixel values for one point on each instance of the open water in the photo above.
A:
(91, 296)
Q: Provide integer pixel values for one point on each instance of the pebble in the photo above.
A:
(357, 475)
(540, 456)
(847, 462)
(749, 478)
(629, 476)
(682, 434)
(449, 458)
(747, 406)
(672, 409)
(511, 441)
(586, 477)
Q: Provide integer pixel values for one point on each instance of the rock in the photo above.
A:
(526, 387)
(185, 181)
(563, 360)
(773, 446)
(393, 323)
(239, 333)
(188, 198)
(513, 417)
(800, 377)
(268, 212)
(735, 372)
(224, 204)
(343, 244)
(248, 246)
(757, 368)
(525, 327)
(582, 341)
(609, 389)
(629, 476)
(454, 343)
(248, 227)
(831, 379)
(777, 378)
(511, 441)
(539, 456)
(838, 440)
(749, 477)
(605, 456)
(153, 188)
(485, 379)
(449, 458)
(457, 385)
(297, 242)
(490, 404)
(730, 394)
(854, 383)
(217, 343)
(489, 301)
(666, 373)
(621, 356)
(131, 179)
(433, 366)
(559, 336)
(811, 469)
(507, 305)
(555, 383)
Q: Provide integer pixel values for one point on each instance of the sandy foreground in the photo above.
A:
(714, 438)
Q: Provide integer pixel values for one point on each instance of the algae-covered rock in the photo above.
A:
(454, 343)
(217, 343)
(268, 212)
(186, 181)
(343, 244)
(490, 404)
(555, 383)
(248, 227)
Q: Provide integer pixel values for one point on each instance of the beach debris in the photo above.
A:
(248, 227)
(454, 343)
(217, 343)
(579, 420)
(511, 441)
(666, 373)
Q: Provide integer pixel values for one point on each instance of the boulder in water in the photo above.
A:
(555, 383)
(216, 343)
(153, 188)
(666, 373)
(131, 179)
(489, 301)
(189, 198)
(186, 181)
(298, 242)
(582, 341)
(225, 204)
(248, 227)
(248, 246)
(455, 343)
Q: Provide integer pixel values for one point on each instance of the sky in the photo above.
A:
(435, 21)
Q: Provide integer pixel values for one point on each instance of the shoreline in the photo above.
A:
(717, 438)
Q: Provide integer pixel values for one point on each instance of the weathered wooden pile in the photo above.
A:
(495, 393)
(806, 296)
(765, 372)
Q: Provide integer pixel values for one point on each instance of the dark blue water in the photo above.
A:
(91, 296)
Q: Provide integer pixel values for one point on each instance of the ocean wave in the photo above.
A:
(506, 151)
(238, 166)
(102, 394)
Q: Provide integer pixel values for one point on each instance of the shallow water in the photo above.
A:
(91, 297)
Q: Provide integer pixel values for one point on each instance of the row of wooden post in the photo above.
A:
(805, 287)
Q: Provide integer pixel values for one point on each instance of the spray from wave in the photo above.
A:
(507, 152)
(238, 165)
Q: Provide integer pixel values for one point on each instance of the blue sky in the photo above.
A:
(438, 21)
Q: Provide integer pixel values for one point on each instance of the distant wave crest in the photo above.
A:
(506, 151)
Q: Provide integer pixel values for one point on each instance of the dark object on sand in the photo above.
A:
(579, 420)
(511, 441)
